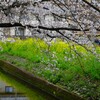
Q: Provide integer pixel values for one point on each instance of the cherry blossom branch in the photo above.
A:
(3, 25)
(91, 5)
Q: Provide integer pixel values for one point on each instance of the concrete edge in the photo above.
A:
(37, 82)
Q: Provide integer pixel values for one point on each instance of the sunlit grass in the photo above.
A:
(59, 54)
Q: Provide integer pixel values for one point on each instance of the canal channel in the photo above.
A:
(11, 89)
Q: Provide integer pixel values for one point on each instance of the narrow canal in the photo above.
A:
(11, 89)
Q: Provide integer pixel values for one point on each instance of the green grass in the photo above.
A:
(59, 55)
(60, 63)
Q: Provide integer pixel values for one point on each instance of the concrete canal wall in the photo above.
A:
(31, 80)
(12, 96)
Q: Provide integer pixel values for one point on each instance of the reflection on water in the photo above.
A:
(9, 92)
(11, 89)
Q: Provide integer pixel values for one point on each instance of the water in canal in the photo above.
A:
(11, 89)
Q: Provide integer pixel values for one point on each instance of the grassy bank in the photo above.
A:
(61, 63)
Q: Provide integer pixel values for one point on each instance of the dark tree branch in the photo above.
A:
(74, 41)
(61, 28)
(55, 36)
(4, 25)
(91, 5)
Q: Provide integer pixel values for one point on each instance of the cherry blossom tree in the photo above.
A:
(74, 20)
